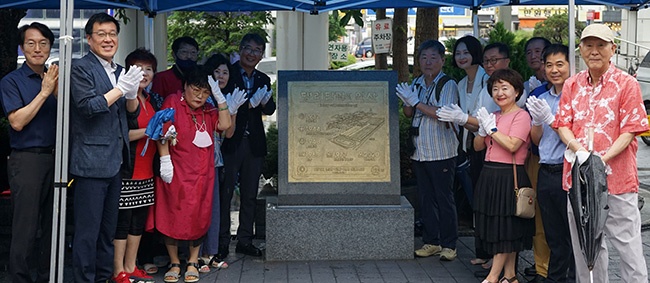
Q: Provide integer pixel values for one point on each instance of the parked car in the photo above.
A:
(364, 48)
(643, 76)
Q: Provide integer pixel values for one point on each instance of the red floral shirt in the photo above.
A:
(612, 107)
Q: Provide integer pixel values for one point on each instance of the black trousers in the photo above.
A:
(31, 180)
(240, 166)
(552, 204)
(96, 204)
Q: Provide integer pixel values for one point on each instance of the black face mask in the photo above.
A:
(185, 65)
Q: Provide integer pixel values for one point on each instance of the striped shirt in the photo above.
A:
(437, 140)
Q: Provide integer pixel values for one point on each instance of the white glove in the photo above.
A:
(258, 96)
(533, 83)
(452, 113)
(540, 111)
(170, 135)
(129, 82)
(582, 156)
(481, 131)
(166, 169)
(216, 90)
(407, 94)
(488, 122)
(267, 96)
(235, 100)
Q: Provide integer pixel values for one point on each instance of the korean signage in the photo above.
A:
(542, 13)
(382, 36)
(339, 52)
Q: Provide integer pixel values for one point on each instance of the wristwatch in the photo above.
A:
(493, 130)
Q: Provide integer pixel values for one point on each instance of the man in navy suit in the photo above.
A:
(103, 97)
(243, 153)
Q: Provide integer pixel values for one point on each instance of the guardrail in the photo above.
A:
(633, 56)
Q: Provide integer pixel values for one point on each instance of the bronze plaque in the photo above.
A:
(338, 132)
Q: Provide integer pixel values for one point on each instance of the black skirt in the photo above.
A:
(498, 230)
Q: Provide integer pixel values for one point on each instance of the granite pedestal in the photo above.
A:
(347, 232)
(338, 162)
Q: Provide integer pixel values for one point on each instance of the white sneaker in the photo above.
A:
(428, 250)
(448, 254)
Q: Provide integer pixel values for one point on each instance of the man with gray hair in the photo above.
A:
(603, 106)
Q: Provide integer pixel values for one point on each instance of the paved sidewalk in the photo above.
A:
(248, 269)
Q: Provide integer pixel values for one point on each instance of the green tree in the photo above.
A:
(556, 29)
(336, 30)
(215, 31)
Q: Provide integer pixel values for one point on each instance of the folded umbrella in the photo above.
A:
(588, 197)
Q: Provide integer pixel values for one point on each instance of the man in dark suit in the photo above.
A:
(243, 153)
(102, 98)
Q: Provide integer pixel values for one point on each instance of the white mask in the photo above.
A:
(202, 139)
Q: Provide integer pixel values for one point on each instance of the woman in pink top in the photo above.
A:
(505, 134)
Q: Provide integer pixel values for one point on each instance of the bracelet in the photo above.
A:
(225, 108)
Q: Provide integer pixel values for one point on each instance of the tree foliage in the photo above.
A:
(556, 29)
(348, 15)
(216, 31)
(336, 30)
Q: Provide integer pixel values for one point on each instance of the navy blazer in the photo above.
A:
(252, 116)
(99, 135)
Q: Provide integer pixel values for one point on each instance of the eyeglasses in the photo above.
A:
(32, 44)
(255, 52)
(103, 34)
(199, 92)
(492, 61)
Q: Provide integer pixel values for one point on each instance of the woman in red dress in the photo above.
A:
(185, 188)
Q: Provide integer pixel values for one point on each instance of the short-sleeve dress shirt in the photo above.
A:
(19, 88)
(612, 107)
(437, 140)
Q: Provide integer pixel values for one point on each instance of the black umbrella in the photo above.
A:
(588, 196)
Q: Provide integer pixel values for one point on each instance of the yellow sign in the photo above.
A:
(338, 132)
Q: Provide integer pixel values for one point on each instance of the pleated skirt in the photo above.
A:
(497, 228)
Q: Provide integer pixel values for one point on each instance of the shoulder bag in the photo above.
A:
(525, 197)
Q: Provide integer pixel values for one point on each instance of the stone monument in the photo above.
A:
(338, 182)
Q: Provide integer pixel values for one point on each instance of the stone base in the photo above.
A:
(355, 232)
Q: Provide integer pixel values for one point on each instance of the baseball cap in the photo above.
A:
(598, 30)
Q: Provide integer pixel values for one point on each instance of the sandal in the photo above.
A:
(150, 268)
(204, 266)
(218, 263)
(192, 276)
(509, 280)
(173, 276)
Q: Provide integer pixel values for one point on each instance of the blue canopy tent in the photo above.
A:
(152, 7)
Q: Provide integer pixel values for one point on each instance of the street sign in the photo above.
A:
(339, 52)
(382, 36)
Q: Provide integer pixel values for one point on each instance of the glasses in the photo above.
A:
(42, 44)
(492, 61)
(256, 52)
(199, 92)
(103, 34)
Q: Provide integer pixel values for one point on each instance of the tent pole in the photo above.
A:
(572, 36)
(61, 151)
(475, 22)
